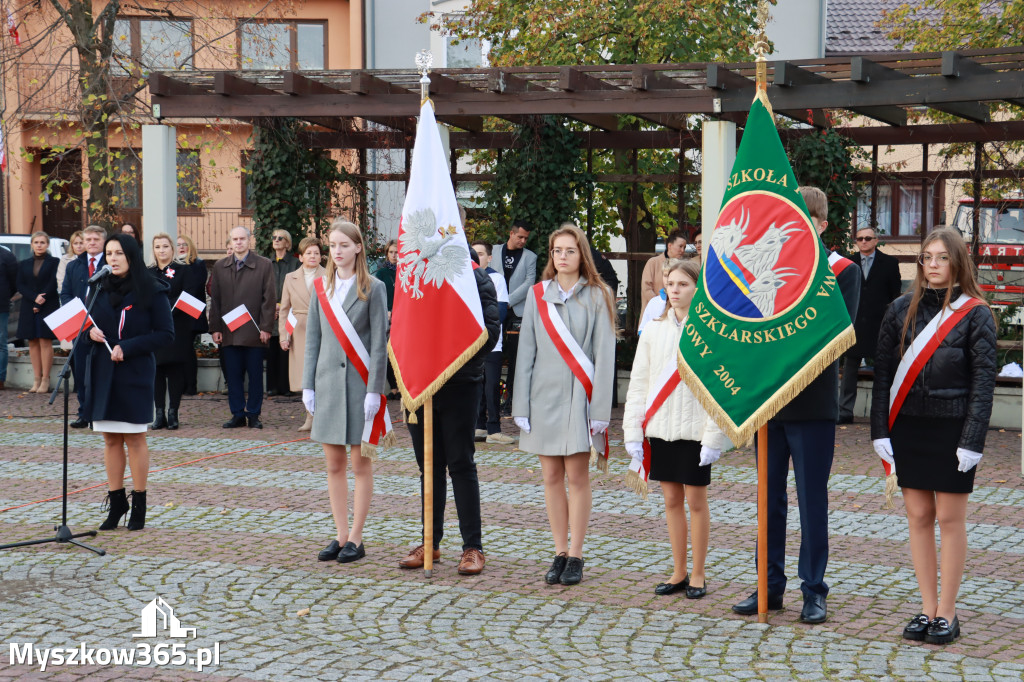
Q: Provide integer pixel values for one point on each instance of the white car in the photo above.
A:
(21, 245)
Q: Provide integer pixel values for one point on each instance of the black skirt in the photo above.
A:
(924, 449)
(678, 461)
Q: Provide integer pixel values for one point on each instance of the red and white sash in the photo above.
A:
(355, 351)
(838, 263)
(579, 364)
(667, 382)
(922, 349)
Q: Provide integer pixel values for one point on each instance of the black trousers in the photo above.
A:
(192, 371)
(454, 419)
(78, 361)
(170, 380)
(848, 387)
(510, 347)
(277, 367)
(489, 416)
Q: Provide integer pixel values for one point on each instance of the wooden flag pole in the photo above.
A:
(428, 487)
(762, 524)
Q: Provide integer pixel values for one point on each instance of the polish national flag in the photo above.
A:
(237, 317)
(66, 320)
(3, 152)
(290, 322)
(437, 319)
(190, 305)
(12, 27)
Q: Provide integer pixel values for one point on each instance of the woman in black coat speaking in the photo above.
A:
(132, 317)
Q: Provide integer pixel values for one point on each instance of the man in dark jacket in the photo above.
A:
(880, 286)
(805, 430)
(455, 410)
(243, 278)
(76, 285)
(8, 287)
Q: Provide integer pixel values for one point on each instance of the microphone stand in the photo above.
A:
(64, 534)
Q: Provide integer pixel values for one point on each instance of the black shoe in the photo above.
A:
(555, 572)
(172, 419)
(235, 422)
(272, 392)
(137, 521)
(160, 422)
(573, 573)
(670, 588)
(697, 592)
(814, 610)
(748, 607)
(330, 552)
(79, 423)
(845, 420)
(917, 628)
(941, 631)
(350, 553)
(254, 422)
(116, 505)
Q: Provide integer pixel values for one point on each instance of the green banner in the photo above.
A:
(768, 315)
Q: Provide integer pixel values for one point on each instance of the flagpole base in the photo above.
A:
(762, 618)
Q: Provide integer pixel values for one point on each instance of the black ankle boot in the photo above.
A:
(137, 520)
(160, 422)
(172, 419)
(117, 504)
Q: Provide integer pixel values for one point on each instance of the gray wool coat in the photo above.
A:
(547, 392)
(338, 415)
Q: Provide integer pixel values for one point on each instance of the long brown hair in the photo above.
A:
(961, 273)
(689, 267)
(588, 271)
(351, 231)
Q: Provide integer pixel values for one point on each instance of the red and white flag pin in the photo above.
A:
(190, 305)
(66, 320)
(290, 322)
(237, 317)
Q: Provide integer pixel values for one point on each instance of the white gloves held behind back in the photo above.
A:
(968, 459)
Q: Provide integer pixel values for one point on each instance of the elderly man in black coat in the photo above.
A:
(880, 286)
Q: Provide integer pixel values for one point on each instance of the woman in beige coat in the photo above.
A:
(550, 404)
(295, 293)
(684, 441)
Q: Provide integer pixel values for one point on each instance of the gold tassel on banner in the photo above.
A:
(637, 484)
(890, 490)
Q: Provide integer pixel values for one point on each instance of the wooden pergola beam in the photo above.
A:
(955, 65)
(864, 70)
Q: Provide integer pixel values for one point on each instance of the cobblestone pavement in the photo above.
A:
(231, 539)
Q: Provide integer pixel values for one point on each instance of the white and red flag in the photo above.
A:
(237, 317)
(12, 27)
(437, 320)
(66, 320)
(190, 305)
(3, 151)
(290, 322)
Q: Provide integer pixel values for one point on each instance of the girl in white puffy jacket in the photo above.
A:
(683, 440)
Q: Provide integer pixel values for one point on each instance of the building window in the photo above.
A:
(127, 179)
(151, 45)
(292, 45)
(898, 209)
(248, 194)
(189, 181)
(466, 53)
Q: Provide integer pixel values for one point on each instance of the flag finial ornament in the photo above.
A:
(424, 60)
(761, 49)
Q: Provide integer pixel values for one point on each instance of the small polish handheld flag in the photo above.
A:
(290, 322)
(237, 317)
(190, 305)
(12, 27)
(66, 320)
(3, 152)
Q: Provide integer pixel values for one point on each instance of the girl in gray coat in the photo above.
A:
(333, 389)
(550, 403)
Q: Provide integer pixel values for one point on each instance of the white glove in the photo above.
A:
(597, 427)
(968, 459)
(635, 450)
(883, 446)
(708, 455)
(371, 404)
(523, 423)
(308, 399)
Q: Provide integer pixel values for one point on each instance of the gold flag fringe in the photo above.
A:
(742, 433)
(369, 450)
(637, 484)
(763, 96)
(411, 403)
(890, 490)
(599, 460)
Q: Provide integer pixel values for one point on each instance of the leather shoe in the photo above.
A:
(235, 422)
(670, 588)
(350, 553)
(748, 607)
(573, 573)
(330, 552)
(814, 610)
(555, 572)
(415, 558)
(917, 628)
(254, 422)
(697, 592)
(79, 423)
(845, 420)
(941, 631)
(472, 562)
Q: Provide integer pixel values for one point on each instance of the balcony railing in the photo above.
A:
(54, 88)
(210, 229)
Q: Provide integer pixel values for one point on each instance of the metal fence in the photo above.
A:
(210, 228)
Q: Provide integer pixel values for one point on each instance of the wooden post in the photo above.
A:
(762, 524)
(428, 487)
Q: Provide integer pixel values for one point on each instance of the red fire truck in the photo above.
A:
(1000, 248)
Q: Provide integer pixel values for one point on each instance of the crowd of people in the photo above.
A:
(323, 331)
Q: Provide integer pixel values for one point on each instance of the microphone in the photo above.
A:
(105, 270)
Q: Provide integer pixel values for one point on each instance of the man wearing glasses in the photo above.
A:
(880, 286)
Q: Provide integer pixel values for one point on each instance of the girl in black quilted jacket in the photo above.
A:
(935, 371)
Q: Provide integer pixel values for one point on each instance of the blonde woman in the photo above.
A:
(37, 284)
(558, 415)
(171, 357)
(295, 295)
(334, 390)
(196, 286)
(76, 248)
(683, 440)
(284, 262)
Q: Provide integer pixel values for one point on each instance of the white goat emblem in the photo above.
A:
(424, 255)
(764, 253)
